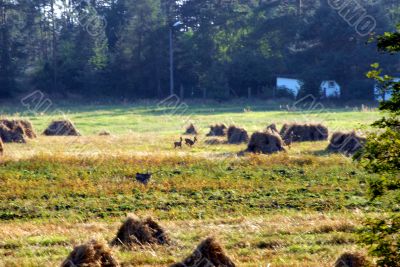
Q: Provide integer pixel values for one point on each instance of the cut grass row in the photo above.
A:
(182, 187)
(283, 238)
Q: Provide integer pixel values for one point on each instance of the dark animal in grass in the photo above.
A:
(143, 178)
(304, 132)
(178, 144)
(140, 232)
(265, 142)
(191, 129)
(61, 128)
(346, 143)
(190, 142)
(352, 260)
(92, 254)
(208, 254)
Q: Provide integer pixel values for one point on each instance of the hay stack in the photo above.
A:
(346, 143)
(303, 132)
(11, 132)
(352, 260)
(237, 135)
(209, 253)
(191, 129)
(272, 127)
(24, 124)
(1, 147)
(28, 128)
(92, 254)
(61, 128)
(135, 231)
(217, 130)
(265, 142)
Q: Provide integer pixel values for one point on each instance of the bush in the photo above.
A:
(383, 238)
(381, 156)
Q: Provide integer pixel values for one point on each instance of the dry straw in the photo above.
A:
(304, 132)
(346, 143)
(191, 129)
(209, 253)
(140, 232)
(237, 135)
(272, 127)
(16, 131)
(91, 254)
(217, 130)
(1, 147)
(352, 260)
(267, 142)
(61, 128)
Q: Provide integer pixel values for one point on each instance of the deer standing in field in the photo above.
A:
(190, 142)
(178, 144)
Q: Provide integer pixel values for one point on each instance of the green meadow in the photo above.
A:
(302, 207)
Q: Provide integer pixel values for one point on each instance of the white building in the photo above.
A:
(330, 89)
(290, 84)
(380, 96)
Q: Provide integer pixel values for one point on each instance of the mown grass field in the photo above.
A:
(300, 208)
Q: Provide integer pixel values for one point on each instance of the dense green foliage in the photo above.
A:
(382, 155)
(120, 48)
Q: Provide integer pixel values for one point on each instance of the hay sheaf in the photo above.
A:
(303, 132)
(272, 127)
(208, 254)
(29, 131)
(266, 142)
(346, 143)
(24, 124)
(1, 147)
(12, 132)
(237, 135)
(217, 130)
(92, 254)
(140, 232)
(61, 128)
(191, 129)
(352, 260)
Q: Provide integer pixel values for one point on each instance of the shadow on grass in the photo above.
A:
(321, 152)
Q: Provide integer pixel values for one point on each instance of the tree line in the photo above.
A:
(222, 48)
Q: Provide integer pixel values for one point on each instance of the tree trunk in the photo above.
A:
(54, 45)
(249, 93)
(182, 92)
